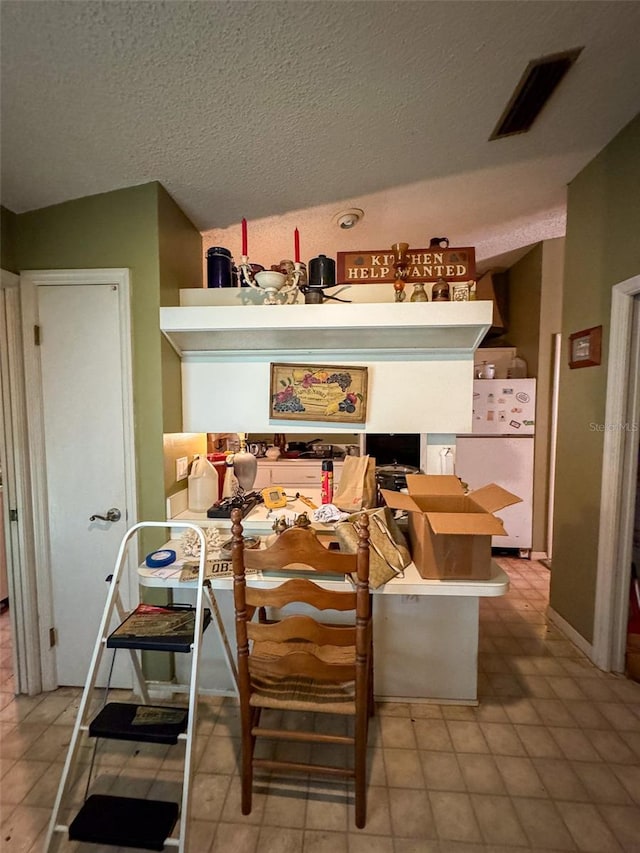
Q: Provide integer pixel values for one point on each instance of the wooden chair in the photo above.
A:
(297, 663)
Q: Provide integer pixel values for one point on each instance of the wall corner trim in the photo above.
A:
(570, 633)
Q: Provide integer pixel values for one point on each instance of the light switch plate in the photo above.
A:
(182, 468)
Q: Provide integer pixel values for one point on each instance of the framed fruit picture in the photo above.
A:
(312, 392)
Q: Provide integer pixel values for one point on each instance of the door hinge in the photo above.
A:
(36, 335)
(13, 515)
(53, 638)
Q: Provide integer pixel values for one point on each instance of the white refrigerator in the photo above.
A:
(500, 450)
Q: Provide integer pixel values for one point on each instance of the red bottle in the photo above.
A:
(327, 481)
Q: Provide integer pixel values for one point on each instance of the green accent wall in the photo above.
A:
(602, 249)
(141, 229)
(525, 288)
(8, 240)
(180, 248)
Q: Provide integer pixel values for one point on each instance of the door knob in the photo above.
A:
(113, 514)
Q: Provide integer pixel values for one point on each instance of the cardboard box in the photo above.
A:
(450, 532)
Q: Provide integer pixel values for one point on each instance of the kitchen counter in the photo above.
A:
(425, 631)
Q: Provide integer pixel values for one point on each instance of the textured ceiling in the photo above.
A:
(288, 112)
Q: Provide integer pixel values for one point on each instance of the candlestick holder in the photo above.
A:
(273, 284)
(400, 265)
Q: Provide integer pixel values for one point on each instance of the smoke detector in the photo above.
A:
(348, 218)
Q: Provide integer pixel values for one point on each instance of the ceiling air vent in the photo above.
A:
(536, 86)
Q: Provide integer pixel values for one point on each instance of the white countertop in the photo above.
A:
(260, 522)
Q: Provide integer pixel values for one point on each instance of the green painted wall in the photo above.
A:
(602, 249)
(142, 229)
(180, 267)
(525, 287)
(8, 240)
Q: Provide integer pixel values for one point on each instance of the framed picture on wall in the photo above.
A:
(312, 392)
(585, 347)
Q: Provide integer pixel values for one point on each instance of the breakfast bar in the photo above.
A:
(425, 631)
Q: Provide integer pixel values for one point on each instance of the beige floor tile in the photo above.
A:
(200, 836)
(236, 837)
(220, 755)
(502, 739)
(520, 776)
(624, 823)
(403, 768)
(560, 779)
(553, 712)
(397, 732)
(619, 717)
(467, 736)
(538, 742)
(432, 735)
(358, 843)
(323, 841)
(480, 774)
(279, 840)
(601, 783)
(497, 819)
(543, 824)
(590, 832)
(21, 778)
(411, 814)
(231, 810)
(612, 748)
(575, 745)
(209, 791)
(630, 778)
(522, 711)
(454, 817)
(587, 715)
(442, 771)
(23, 827)
(286, 804)
(326, 813)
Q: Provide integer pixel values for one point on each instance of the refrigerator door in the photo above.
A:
(507, 461)
(504, 406)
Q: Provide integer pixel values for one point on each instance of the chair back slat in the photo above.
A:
(302, 628)
(302, 546)
(302, 590)
(304, 665)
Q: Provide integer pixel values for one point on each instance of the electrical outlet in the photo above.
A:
(182, 468)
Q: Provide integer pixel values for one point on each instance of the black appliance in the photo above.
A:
(396, 455)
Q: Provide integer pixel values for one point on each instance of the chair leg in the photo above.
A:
(247, 746)
(371, 705)
(361, 769)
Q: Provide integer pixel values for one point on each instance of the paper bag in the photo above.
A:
(357, 487)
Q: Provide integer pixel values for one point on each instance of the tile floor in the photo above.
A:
(548, 761)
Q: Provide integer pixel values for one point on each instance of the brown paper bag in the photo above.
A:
(357, 487)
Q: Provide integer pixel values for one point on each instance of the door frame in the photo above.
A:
(31, 280)
(618, 491)
(17, 498)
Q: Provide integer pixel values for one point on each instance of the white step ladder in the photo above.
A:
(127, 821)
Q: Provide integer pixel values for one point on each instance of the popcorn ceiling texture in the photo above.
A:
(288, 112)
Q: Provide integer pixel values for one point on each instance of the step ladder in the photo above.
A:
(128, 821)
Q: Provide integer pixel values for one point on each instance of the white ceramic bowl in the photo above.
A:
(270, 279)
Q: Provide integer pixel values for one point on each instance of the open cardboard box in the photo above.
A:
(450, 532)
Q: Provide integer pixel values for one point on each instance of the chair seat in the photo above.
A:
(296, 692)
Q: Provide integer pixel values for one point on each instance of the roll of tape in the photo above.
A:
(160, 558)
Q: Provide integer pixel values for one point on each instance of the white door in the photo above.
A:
(85, 438)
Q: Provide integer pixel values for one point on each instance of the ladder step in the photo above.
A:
(169, 628)
(124, 822)
(145, 723)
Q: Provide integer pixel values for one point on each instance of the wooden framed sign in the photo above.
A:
(585, 347)
(376, 266)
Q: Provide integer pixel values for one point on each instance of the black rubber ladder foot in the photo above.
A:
(124, 822)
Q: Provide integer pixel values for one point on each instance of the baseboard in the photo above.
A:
(570, 632)
(538, 555)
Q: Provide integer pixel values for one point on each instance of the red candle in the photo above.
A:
(296, 246)
(244, 236)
